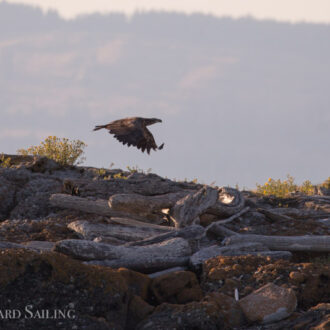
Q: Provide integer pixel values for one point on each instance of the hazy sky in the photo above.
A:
(241, 100)
(287, 10)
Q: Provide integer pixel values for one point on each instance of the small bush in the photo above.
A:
(62, 150)
(326, 183)
(136, 169)
(120, 176)
(280, 188)
(5, 161)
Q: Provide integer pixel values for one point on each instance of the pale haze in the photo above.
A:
(241, 99)
(283, 10)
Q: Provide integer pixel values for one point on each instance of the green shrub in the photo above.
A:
(136, 169)
(280, 188)
(326, 183)
(5, 161)
(62, 150)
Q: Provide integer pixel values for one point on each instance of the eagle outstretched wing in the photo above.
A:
(142, 139)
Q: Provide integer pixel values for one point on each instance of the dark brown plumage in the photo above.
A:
(133, 131)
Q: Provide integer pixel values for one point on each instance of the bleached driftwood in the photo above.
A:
(211, 227)
(126, 232)
(154, 257)
(215, 250)
(274, 216)
(220, 231)
(139, 204)
(187, 209)
(230, 201)
(299, 213)
(285, 243)
(194, 232)
(137, 223)
(97, 206)
(316, 198)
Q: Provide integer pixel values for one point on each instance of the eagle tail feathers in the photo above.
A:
(99, 127)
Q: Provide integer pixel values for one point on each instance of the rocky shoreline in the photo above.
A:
(87, 248)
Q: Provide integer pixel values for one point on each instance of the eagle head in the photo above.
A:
(150, 121)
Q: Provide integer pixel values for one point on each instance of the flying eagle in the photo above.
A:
(133, 131)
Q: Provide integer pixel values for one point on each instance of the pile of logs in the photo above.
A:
(154, 233)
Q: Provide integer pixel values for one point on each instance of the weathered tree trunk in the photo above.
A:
(222, 222)
(285, 243)
(171, 253)
(194, 232)
(97, 206)
(274, 216)
(139, 204)
(137, 223)
(298, 213)
(126, 233)
(187, 209)
(215, 250)
(220, 231)
(230, 201)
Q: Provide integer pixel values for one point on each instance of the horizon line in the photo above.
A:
(130, 14)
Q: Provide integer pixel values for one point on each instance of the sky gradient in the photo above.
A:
(241, 100)
(281, 10)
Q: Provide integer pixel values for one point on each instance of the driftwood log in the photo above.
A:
(285, 243)
(188, 209)
(230, 201)
(139, 204)
(296, 213)
(238, 249)
(154, 257)
(185, 206)
(97, 206)
(215, 250)
(275, 216)
(212, 227)
(190, 233)
(126, 232)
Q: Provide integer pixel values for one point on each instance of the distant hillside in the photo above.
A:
(239, 99)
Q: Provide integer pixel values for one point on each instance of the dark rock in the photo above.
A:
(32, 201)
(270, 303)
(138, 283)
(177, 288)
(310, 281)
(43, 164)
(195, 315)
(138, 310)
(229, 308)
(7, 197)
(97, 297)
